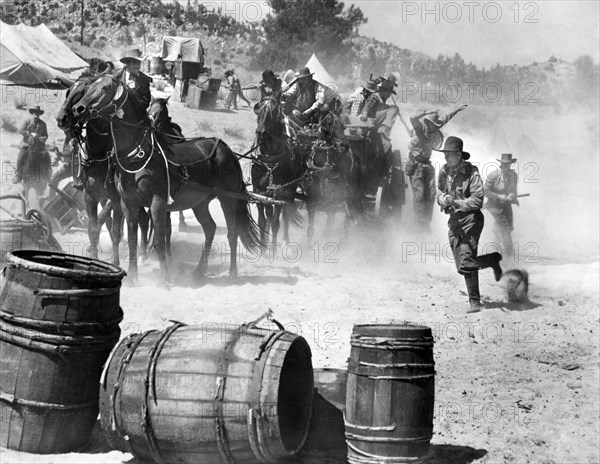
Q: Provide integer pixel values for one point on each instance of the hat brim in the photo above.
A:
(465, 154)
(512, 161)
(300, 76)
(36, 111)
(125, 59)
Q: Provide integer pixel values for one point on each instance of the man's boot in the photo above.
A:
(491, 260)
(472, 281)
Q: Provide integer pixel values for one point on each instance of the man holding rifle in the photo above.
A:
(501, 193)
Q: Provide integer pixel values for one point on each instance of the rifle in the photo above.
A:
(524, 195)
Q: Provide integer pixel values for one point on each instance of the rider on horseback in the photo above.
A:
(35, 134)
(137, 81)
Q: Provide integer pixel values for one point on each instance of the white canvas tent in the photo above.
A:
(34, 55)
(321, 74)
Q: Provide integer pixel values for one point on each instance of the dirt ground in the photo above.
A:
(513, 385)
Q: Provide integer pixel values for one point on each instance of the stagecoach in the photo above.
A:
(382, 187)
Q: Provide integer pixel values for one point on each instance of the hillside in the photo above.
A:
(112, 25)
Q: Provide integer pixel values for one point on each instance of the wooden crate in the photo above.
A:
(198, 98)
(65, 207)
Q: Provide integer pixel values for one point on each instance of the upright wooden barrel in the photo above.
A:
(390, 394)
(194, 394)
(54, 340)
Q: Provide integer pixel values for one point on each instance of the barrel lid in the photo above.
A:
(404, 330)
(65, 265)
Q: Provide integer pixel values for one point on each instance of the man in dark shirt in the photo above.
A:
(460, 194)
(137, 81)
(35, 134)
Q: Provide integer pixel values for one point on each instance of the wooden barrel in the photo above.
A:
(60, 292)
(194, 394)
(390, 394)
(156, 65)
(49, 388)
(59, 320)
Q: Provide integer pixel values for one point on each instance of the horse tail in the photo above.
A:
(248, 230)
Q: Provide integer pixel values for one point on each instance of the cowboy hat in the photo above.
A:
(454, 145)
(268, 75)
(433, 120)
(507, 158)
(370, 86)
(133, 54)
(304, 72)
(36, 109)
(387, 85)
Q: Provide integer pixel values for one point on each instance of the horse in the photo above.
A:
(37, 171)
(162, 122)
(276, 170)
(194, 173)
(95, 162)
(332, 175)
(98, 175)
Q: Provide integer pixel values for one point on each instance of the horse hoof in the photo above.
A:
(198, 273)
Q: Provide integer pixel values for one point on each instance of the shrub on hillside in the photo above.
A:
(8, 124)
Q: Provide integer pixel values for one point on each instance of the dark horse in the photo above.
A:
(332, 174)
(162, 122)
(276, 170)
(194, 173)
(99, 188)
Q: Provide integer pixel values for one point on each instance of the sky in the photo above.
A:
(483, 32)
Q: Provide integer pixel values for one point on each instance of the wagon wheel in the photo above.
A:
(43, 222)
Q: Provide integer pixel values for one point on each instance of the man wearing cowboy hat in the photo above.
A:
(270, 85)
(460, 194)
(384, 116)
(356, 102)
(137, 81)
(425, 136)
(307, 97)
(35, 134)
(501, 193)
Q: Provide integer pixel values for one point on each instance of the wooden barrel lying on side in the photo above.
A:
(56, 292)
(59, 320)
(194, 394)
(390, 394)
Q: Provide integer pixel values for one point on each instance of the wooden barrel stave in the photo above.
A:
(186, 415)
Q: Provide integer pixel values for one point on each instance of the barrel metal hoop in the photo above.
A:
(77, 292)
(255, 418)
(72, 326)
(399, 377)
(396, 366)
(11, 399)
(155, 353)
(117, 386)
(383, 428)
(384, 343)
(353, 436)
(376, 458)
(149, 389)
(220, 432)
